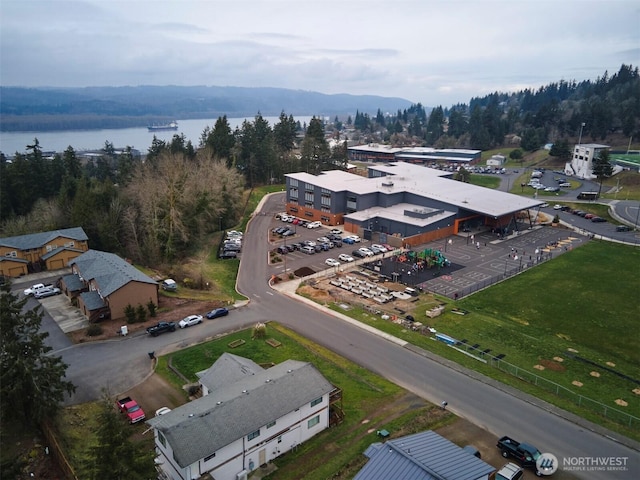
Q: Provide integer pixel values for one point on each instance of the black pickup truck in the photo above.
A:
(161, 327)
(527, 455)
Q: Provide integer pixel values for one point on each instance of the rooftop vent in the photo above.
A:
(387, 183)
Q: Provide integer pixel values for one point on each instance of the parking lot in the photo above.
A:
(474, 260)
(303, 257)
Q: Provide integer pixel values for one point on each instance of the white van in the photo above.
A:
(169, 285)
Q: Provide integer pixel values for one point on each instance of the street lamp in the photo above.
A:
(580, 137)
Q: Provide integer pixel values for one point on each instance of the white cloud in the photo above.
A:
(428, 51)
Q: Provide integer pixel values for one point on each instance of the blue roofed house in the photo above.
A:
(422, 456)
(247, 416)
(35, 252)
(104, 283)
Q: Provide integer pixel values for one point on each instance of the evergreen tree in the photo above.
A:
(601, 167)
(115, 456)
(32, 384)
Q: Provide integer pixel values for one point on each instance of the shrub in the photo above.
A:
(152, 307)
(130, 313)
(94, 330)
(141, 314)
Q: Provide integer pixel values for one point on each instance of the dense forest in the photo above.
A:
(529, 119)
(159, 207)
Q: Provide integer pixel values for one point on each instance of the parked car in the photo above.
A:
(315, 224)
(169, 285)
(588, 216)
(309, 243)
(623, 228)
(557, 207)
(288, 232)
(308, 250)
(228, 254)
(356, 238)
(598, 219)
(282, 250)
(510, 471)
(348, 240)
(552, 189)
(336, 231)
(33, 289)
(190, 321)
(377, 248)
(343, 257)
(217, 312)
(358, 254)
(47, 292)
(322, 240)
(161, 327)
(565, 185)
(162, 411)
(366, 251)
(332, 262)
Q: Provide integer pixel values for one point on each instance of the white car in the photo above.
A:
(557, 207)
(47, 292)
(366, 252)
(162, 411)
(343, 257)
(565, 185)
(35, 288)
(377, 248)
(315, 224)
(190, 320)
(323, 240)
(336, 231)
(332, 262)
(355, 238)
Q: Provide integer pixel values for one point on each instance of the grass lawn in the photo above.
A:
(487, 181)
(583, 303)
(335, 453)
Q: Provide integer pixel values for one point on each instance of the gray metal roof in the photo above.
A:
(422, 456)
(109, 271)
(37, 240)
(424, 182)
(203, 426)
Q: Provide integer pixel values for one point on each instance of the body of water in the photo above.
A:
(139, 138)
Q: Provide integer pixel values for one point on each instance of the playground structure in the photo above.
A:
(425, 259)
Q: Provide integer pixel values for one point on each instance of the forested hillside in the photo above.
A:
(528, 118)
(32, 109)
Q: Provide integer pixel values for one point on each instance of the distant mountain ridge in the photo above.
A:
(49, 108)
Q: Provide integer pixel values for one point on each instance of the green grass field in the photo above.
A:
(583, 303)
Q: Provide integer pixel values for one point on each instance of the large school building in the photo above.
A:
(410, 203)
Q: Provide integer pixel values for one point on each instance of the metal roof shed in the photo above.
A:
(422, 456)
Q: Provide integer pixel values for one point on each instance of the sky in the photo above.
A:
(436, 52)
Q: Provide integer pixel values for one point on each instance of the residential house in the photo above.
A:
(36, 252)
(247, 416)
(105, 284)
(422, 456)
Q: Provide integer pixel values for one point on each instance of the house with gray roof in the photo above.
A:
(422, 456)
(35, 252)
(247, 416)
(104, 282)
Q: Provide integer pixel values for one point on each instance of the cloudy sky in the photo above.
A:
(436, 52)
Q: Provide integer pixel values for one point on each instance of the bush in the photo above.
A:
(141, 314)
(152, 307)
(130, 313)
(94, 330)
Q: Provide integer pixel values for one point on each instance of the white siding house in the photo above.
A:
(247, 416)
(581, 164)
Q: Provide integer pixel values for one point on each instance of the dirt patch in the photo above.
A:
(170, 309)
(553, 366)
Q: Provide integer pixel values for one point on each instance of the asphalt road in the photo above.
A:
(120, 365)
